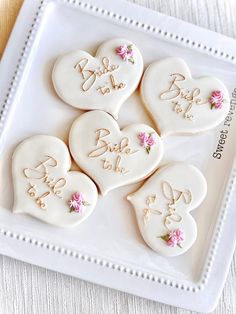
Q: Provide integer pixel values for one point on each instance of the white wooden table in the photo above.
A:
(27, 289)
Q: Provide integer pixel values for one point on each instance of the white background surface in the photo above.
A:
(29, 289)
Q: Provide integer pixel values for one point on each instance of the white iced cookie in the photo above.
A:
(163, 204)
(180, 104)
(45, 188)
(113, 158)
(102, 82)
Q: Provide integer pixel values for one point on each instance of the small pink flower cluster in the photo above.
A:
(77, 202)
(175, 237)
(216, 99)
(147, 140)
(126, 53)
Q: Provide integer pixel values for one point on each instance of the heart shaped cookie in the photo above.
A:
(111, 157)
(163, 204)
(45, 188)
(180, 104)
(102, 82)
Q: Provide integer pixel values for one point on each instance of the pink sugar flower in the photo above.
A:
(147, 140)
(122, 51)
(173, 238)
(179, 234)
(78, 197)
(129, 54)
(216, 99)
(172, 241)
(152, 139)
(75, 206)
(77, 202)
(143, 136)
(125, 52)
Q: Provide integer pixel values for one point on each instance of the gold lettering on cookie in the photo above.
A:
(117, 167)
(115, 85)
(177, 107)
(104, 146)
(90, 76)
(106, 164)
(41, 173)
(173, 197)
(104, 90)
(177, 94)
(31, 190)
(38, 199)
(151, 199)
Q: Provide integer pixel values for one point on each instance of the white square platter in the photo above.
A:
(107, 248)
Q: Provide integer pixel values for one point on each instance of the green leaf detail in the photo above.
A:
(86, 203)
(131, 60)
(148, 148)
(165, 237)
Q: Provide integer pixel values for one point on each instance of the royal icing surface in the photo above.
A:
(45, 188)
(102, 82)
(180, 104)
(163, 204)
(111, 157)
